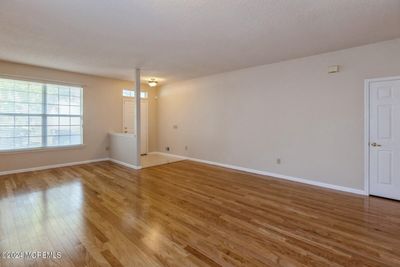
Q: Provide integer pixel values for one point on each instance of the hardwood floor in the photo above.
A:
(190, 214)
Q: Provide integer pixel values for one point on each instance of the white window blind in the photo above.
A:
(35, 115)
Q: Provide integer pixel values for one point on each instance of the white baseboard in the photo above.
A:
(274, 175)
(168, 154)
(265, 173)
(52, 166)
(125, 164)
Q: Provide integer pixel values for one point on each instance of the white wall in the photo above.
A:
(293, 110)
(123, 149)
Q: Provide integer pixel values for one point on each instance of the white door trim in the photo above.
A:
(146, 100)
(367, 84)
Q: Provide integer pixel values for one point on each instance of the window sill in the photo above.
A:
(41, 149)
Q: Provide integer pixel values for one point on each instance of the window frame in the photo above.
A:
(44, 116)
(144, 96)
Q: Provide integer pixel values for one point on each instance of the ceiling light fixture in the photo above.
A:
(152, 83)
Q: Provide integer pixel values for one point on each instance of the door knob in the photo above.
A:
(375, 145)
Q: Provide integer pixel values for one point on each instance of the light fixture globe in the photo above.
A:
(152, 83)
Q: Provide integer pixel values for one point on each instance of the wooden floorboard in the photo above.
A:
(189, 214)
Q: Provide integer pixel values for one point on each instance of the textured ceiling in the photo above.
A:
(182, 39)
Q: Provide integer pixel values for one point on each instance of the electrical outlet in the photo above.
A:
(278, 161)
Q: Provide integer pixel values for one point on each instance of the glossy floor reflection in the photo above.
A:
(190, 214)
(151, 159)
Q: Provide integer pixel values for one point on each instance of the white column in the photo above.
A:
(137, 119)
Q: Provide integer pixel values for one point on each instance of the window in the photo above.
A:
(130, 93)
(37, 115)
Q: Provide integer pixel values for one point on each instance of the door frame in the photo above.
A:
(123, 115)
(367, 84)
(148, 123)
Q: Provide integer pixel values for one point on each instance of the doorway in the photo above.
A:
(129, 126)
(382, 137)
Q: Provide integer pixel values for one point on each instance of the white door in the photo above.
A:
(129, 116)
(129, 121)
(384, 145)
